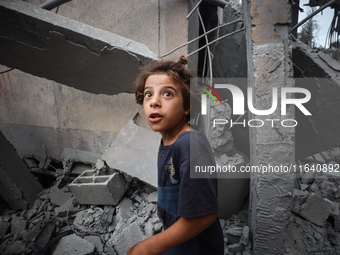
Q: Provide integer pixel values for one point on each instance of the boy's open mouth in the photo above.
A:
(154, 117)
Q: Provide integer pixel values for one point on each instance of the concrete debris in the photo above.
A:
(59, 196)
(74, 245)
(61, 37)
(17, 247)
(91, 221)
(236, 234)
(97, 229)
(131, 235)
(4, 226)
(124, 209)
(18, 224)
(71, 157)
(314, 208)
(113, 228)
(105, 189)
(96, 241)
(221, 137)
(153, 197)
(18, 187)
(315, 223)
(69, 207)
(332, 63)
(311, 133)
(133, 152)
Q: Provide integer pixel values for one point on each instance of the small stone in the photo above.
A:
(152, 198)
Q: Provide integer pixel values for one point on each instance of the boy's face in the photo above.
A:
(163, 104)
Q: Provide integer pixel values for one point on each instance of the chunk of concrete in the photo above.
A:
(73, 245)
(59, 196)
(92, 220)
(18, 225)
(124, 209)
(4, 227)
(314, 208)
(108, 189)
(308, 177)
(332, 63)
(18, 187)
(134, 152)
(234, 234)
(124, 240)
(61, 38)
(153, 197)
(96, 241)
(17, 247)
(71, 156)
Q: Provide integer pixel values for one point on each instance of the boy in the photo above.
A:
(187, 207)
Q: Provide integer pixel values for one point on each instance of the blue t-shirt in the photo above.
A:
(182, 196)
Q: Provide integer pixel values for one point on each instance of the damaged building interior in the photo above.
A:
(77, 166)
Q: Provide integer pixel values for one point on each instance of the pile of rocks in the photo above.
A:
(58, 224)
(315, 223)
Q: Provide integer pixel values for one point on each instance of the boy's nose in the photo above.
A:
(155, 101)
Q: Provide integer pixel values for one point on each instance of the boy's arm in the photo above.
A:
(181, 231)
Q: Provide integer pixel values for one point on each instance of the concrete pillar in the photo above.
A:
(269, 65)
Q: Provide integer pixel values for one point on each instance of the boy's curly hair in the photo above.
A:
(177, 70)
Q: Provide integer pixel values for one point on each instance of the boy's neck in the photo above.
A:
(169, 138)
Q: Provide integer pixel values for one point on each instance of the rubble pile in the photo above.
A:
(58, 224)
(314, 227)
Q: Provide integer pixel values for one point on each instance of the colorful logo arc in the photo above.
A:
(209, 93)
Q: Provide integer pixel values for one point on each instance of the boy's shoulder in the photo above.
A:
(189, 138)
(191, 143)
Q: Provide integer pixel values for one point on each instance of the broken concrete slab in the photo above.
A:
(329, 61)
(123, 241)
(104, 189)
(153, 197)
(135, 152)
(67, 51)
(18, 187)
(72, 157)
(314, 208)
(74, 245)
(59, 196)
(96, 241)
(124, 209)
(320, 131)
(18, 225)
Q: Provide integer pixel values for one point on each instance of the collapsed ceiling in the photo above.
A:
(51, 46)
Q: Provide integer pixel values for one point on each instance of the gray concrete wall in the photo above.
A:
(42, 117)
(269, 65)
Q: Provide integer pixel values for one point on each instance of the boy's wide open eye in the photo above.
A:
(167, 94)
(147, 94)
